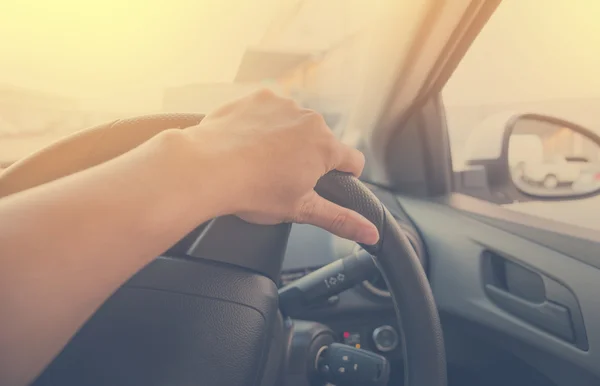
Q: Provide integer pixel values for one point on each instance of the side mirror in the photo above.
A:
(527, 157)
(549, 158)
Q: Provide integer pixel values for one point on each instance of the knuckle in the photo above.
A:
(330, 149)
(316, 120)
(306, 211)
(325, 154)
(360, 159)
(265, 93)
(339, 221)
(361, 156)
(292, 103)
(330, 146)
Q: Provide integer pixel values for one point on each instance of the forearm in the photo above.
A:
(50, 284)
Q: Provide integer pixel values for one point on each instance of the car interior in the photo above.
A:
(459, 291)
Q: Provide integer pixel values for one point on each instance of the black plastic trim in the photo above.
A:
(259, 248)
(549, 316)
(534, 297)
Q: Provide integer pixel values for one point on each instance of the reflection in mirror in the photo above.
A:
(547, 159)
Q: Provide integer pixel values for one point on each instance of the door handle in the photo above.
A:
(546, 315)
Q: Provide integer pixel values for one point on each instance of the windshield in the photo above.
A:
(72, 64)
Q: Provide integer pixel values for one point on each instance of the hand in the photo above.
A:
(272, 153)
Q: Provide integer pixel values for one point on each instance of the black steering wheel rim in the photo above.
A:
(414, 305)
(424, 355)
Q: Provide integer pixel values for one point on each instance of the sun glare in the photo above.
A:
(98, 48)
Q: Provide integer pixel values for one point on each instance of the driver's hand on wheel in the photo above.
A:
(259, 157)
(269, 153)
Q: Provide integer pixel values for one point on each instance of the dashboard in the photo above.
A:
(484, 337)
(362, 316)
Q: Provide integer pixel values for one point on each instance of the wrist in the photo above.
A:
(195, 175)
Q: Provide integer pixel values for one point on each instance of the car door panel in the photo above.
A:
(459, 243)
(579, 243)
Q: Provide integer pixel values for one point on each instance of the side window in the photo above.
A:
(528, 90)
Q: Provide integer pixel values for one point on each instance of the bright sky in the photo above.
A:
(532, 50)
(110, 51)
(98, 48)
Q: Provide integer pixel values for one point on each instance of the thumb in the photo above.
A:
(336, 219)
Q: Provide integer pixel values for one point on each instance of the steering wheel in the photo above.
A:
(211, 316)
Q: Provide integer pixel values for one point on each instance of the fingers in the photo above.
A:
(350, 160)
(336, 219)
(339, 156)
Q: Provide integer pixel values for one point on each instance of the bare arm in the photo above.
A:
(66, 246)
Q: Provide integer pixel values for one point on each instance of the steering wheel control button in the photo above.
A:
(385, 338)
(353, 366)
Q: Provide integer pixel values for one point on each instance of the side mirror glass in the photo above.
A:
(552, 158)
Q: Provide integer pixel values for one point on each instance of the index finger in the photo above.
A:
(350, 160)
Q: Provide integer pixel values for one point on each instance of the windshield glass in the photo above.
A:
(72, 64)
